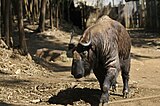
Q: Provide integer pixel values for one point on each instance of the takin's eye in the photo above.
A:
(84, 54)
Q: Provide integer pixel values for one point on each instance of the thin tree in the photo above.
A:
(10, 25)
(68, 10)
(41, 27)
(22, 39)
(2, 17)
(6, 23)
(51, 13)
(57, 14)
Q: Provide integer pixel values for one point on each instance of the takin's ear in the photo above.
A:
(71, 48)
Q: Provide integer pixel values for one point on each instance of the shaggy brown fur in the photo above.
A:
(107, 54)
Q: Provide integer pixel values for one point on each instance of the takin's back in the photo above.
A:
(107, 30)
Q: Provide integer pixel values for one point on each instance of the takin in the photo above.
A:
(104, 48)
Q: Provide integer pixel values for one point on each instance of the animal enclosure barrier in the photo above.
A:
(142, 15)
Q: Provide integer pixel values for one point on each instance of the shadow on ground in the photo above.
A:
(139, 57)
(5, 104)
(71, 95)
(51, 66)
(13, 82)
(145, 40)
(8, 104)
(53, 49)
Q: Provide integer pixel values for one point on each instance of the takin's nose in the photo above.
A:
(78, 76)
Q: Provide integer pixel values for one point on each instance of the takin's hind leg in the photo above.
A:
(125, 77)
(108, 80)
(114, 82)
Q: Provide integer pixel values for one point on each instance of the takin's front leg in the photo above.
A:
(108, 81)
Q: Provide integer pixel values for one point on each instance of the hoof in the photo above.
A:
(103, 104)
(114, 88)
(125, 94)
(104, 98)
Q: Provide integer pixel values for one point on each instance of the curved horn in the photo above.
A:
(88, 43)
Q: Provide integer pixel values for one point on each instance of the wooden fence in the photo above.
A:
(143, 15)
(134, 15)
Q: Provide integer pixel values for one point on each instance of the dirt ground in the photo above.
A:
(43, 78)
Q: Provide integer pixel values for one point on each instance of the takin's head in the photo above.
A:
(81, 66)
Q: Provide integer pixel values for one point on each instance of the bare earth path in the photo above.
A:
(46, 80)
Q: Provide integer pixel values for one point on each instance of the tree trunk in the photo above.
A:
(51, 14)
(22, 40)
(36, 9)
(68, 10)
(6, 23)
(10, 25)
(41, 27)
(33, 12)
(60, 12)
(2, 17)
(57, 15)
(30, 12)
